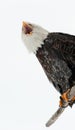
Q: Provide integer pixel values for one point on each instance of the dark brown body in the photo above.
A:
(57, 57)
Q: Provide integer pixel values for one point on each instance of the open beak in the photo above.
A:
(26, 28)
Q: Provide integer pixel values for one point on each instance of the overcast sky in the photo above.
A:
(27, 99)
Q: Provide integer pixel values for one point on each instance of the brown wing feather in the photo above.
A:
(66, 46)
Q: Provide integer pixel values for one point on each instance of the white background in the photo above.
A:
(27, 99)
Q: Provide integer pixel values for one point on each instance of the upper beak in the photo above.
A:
(24, 24)
(26, 28)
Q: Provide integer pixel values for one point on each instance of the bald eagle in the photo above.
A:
(56, 53)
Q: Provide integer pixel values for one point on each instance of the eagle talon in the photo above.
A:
(64, 99)
(63, 103)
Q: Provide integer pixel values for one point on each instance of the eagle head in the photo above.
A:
(33, 36)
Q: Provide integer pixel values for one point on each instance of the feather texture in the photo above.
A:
(57, 57)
